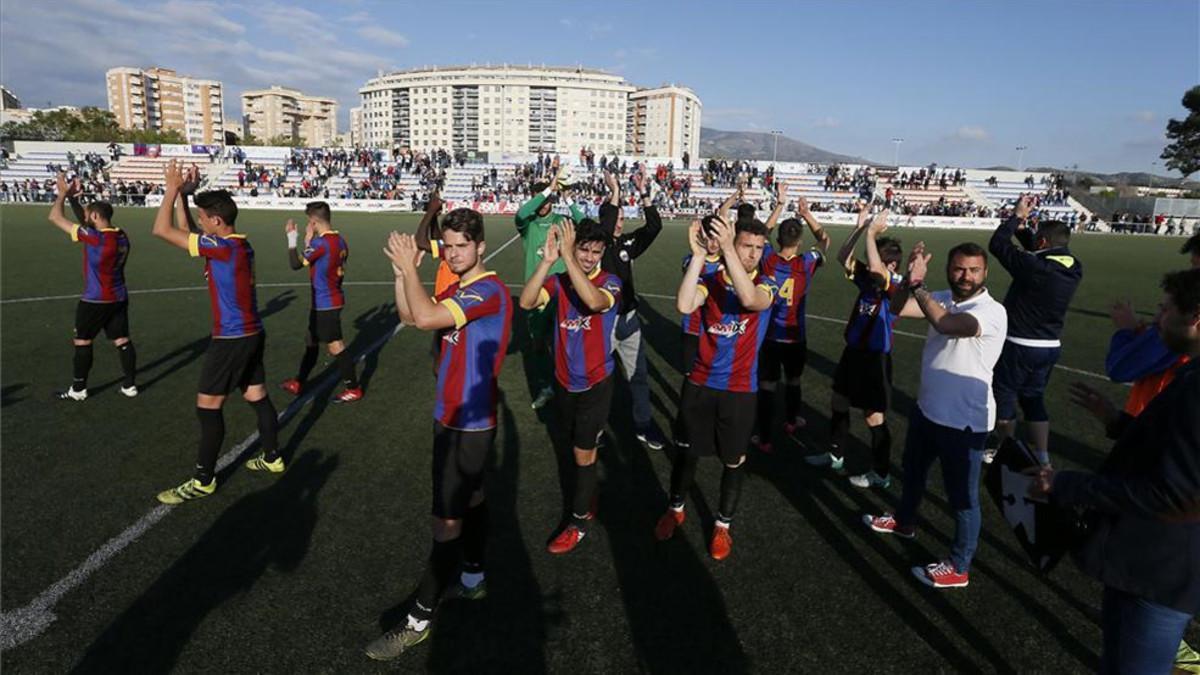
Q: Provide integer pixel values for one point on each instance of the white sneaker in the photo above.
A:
(130, 391)
(825, 459)
(871, 479)
(72, 395)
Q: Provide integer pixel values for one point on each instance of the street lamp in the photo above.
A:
(1153, 165)
(1021, 157)
(896, 154)
(775, 149)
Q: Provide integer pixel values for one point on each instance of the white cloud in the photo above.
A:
(827, 122)
(969, 133)
(1144, 116)
(566, 23)
(383, 36)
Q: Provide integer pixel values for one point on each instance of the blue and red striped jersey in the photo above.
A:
(731, 335)
(691, 322)
(871, 322)
(105, 251)
(325, 257)
(472, 352)
(229, 269)
(583, 338)
(792, 276)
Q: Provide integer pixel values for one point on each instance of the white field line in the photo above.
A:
(25, 623)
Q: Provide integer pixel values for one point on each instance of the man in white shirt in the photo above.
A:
(955, 409)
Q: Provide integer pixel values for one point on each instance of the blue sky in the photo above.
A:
(1087, 83)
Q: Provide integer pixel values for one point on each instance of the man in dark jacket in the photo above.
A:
(618, 259)
(1144, 540)
(1044, 277)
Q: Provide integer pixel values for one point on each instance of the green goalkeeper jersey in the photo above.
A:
(534, 229)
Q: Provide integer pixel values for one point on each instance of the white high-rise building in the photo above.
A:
(356, 128)
(513, 109)
(279, 111)
(664, 122)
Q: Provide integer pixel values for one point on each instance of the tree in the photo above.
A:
(1183, 154)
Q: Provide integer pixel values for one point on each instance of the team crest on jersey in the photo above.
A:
(452, 336)
(866, 308)
(577, 324)
(623, 255)
(729, 328)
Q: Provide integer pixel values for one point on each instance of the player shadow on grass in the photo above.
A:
(795, 482)
(8, 394)
(180, 357)
(676, 612)
(664, 334)
(270, 529)
(507, 631)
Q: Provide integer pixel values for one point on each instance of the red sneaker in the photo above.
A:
(291, 386)
(566, 541)
(664, 529)
(941, 575)
(886, 524)
(722, 544)
(349, 395)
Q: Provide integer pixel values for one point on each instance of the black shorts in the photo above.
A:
(233, 362)
(691, 347)
(459, 460)
(325, 325)
(90, 317)
(717, 422)
(584, 413)
(790, 356)
(865, 379)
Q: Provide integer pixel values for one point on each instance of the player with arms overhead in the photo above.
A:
(234, 358)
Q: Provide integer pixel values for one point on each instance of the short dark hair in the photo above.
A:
(750, 226)
(539, 186)
(1184, 288)
(467, 222)
(318, 209)
(1192, 245)
(791, 231)
(706, 224)
(218, 203)
(1054, 231)
(889, 250)
(102, 209)
(969, 249)
(745, 211)
(588, 230)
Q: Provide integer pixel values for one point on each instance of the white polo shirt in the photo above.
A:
(956, 372)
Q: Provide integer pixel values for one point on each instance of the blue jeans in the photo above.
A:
(627, 343)
(961, 454)
(1139, 636)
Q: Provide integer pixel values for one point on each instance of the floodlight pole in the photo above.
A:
(1021, 157)
(775, 149)
(896, 154)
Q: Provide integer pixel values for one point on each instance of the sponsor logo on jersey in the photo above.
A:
(729, 328)
(576, 325)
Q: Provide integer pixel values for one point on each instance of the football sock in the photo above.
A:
(839, 429)
(443, 563)
(82, 364)
(791, 403)
(731, 492)
(585, 487)
(268, 427)
(474, 538)
(683, 474)
(128, 362)
(881, 448)
(345, 364)
(766, 406)
(307, 363)
(212, 435)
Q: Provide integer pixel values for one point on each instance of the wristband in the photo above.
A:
(915, 285)
(292, 237)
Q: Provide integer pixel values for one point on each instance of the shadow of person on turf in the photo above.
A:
(269, 529)
(677, 617)
(180, 357)
(507, 631)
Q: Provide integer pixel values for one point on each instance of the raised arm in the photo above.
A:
(592, 297)
(780, 204)
(1017, 261)
(689, 298)
(954, 325)
(164, 225)
(531, 292)
(425, 313)
(723, 209)
(293, 237)
(183, 215)
(614, 188)
(57, 217)
(846, 253)
(814, 225)
(879, 270)
(73, 201)
(426, 230)
(752, 297)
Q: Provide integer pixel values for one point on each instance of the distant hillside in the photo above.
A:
(759, 145)
(1114, 179)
